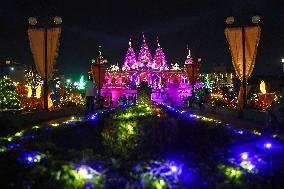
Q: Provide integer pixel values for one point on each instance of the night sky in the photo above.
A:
(88, 24)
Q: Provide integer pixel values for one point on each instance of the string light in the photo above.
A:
(9, 99)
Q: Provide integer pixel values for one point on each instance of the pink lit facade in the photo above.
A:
(169, 84)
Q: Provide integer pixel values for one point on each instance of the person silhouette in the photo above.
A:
(91, 92)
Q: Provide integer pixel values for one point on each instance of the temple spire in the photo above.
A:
(144, 38)
(144, 58)
(100, 52)
(189, 59)
(160, 61)
(130, 59)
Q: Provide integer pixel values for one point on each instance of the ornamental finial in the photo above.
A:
(144, 38)
(158, 41)
(188, 56)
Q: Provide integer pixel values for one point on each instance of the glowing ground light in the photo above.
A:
(27, 137)
(159, 184)
(32, 157)
(163, 174)
(18, 134)
(231, 172)
(3, 149)
(93, 116)
(268, 145)
(54, 124)
(247, 165)
(12, 145)
(85, 173)
(244, 155)
(130, 128)
(35, 127)
(174, 168)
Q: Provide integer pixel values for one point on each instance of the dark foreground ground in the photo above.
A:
(145, 146)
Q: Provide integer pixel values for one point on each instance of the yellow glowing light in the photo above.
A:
(29, 91)
(50, 104)
(262, 87)
(256, 132)
(130, 128)
(19, 134)
(38, 91)
(54, 124)
(3, 149)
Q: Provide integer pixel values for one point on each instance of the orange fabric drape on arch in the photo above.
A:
(37, 45)
(234, 37)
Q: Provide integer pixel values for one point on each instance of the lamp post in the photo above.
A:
(33, 21)
(254, 20)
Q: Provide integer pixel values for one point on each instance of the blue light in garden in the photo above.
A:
(244, 155)
(48, 128)
(174, 168)
(27, 137)
(12, 145)
(85, 173)
(160, 174)
(268, 145)
(93, 116)
(239, 132)
(32, 157)
(247, 165)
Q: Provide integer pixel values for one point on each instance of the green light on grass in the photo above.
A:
(231, 172)
(3, 149)
(159, 184)
(18, 134)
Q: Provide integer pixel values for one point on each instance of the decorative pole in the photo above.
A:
(37, 36)
(242, 39)
(45, 84)
(244, 68)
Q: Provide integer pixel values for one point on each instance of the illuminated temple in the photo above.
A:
(169, 83)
